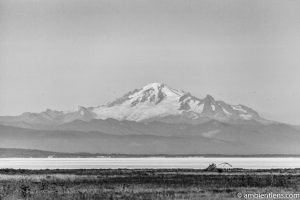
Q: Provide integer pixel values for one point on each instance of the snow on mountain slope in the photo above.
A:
(157, 100)
(153, 102)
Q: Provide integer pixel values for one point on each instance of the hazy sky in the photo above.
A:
(60, 54)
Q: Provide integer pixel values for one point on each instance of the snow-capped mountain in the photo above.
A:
(155, 119)
(153, 102)
(157, 100)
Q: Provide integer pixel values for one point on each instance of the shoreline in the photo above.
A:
(150, 162)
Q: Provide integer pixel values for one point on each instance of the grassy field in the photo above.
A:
(129, 184)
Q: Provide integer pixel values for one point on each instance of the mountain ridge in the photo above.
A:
(36, 153)
(153, 102)
(211, 138)
(154, 119)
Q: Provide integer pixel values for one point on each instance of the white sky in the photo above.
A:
(60, 54)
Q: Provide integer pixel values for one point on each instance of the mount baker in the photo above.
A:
(155, 119)
(153, 102)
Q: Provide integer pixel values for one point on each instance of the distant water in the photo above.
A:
(149, 162)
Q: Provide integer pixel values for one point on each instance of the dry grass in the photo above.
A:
(143, 184)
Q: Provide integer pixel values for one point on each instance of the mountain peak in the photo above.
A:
(154, 85)
(154, 102)
(209, 98)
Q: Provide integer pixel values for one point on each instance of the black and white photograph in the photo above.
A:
(149, 99)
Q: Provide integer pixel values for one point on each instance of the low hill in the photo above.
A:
(211, 138)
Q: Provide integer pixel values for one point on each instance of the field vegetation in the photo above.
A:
(128, 184)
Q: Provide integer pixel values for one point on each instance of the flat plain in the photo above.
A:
(144, 183)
